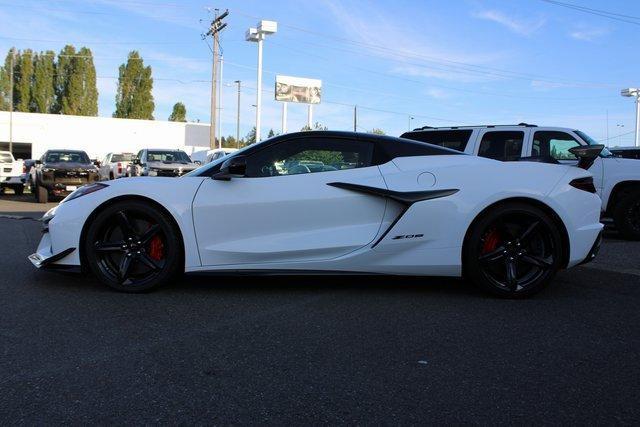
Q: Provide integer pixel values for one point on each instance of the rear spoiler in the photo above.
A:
(586, 154)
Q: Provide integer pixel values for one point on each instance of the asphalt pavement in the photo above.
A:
(324, 350)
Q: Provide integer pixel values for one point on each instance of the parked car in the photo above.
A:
(60, 172)
(617, 180)
(161, 162)
(626, 152)
(387, 206)
(11, 173)
(114, 165)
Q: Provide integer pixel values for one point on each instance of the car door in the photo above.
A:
(556, 144)
(504, 145)
(284, 211)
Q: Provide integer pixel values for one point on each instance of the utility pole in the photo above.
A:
(355, 118)
(13, 56)
(214, 30)
(220, 104)
(284, 117)
(258, 35)
(238, 82)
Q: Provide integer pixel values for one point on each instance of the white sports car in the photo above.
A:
(339, 202)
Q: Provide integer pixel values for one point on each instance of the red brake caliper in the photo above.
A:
(491, 241)
(156, 248)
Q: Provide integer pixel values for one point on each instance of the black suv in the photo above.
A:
(59, 172)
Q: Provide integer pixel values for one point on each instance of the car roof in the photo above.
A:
(498, 127)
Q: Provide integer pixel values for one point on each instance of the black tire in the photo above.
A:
(42, 195)
(626, 216)
(19, 190)
(132, 246)
(111, 177)
(514, 250)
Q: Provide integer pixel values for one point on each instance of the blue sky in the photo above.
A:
(442, 62)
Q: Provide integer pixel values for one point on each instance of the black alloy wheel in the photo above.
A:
(514, 251)
(133, 247)
(626, 216)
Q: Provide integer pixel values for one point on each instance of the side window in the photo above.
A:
(501, 145)
(454, 139)
(553, 144)
(315, 155)
(139, 155)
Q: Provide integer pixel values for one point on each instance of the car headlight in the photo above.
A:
(84, 190)
(45, 170)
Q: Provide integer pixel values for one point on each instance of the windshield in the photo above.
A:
(124, 157)
(605, 151)
(168, 157)
(222, 159)
(67, 157)
(5, 158)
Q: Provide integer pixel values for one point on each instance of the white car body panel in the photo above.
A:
(298, 222)
(11, 171)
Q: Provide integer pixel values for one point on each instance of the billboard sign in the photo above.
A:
(298, 89)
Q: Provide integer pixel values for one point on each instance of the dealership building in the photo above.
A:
(33, 134)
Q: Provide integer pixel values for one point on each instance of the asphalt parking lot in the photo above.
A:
(366, 350)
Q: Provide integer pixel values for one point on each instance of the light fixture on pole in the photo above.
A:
(258, 35)
(634, 93)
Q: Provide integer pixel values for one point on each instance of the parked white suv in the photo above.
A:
(11, 173)
(617, 180)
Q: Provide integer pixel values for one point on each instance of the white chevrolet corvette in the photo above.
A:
(334, 202)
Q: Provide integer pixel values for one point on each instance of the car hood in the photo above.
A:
(163, 165)
(70, 166)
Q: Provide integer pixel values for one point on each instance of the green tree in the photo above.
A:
(377, 131)
(79, 94)
(229, 142)
(251, 137)
(64, 69)
(271, 133)
(179, 113)
(316, 126)
(5, 81)
(43, 93)
(134, 99)
(23, 78)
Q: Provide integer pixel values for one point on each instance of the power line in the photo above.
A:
(629, 19)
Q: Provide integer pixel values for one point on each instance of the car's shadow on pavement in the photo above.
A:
(246, 284)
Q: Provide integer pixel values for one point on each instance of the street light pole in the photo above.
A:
(634, 93)
(238, 82)
(13, 55)
(258, 35)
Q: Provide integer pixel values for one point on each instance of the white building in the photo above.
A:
(33, 134)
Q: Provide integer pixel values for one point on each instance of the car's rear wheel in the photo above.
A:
(132, 247)
(626, 216)
(513, 251)
(19, 190)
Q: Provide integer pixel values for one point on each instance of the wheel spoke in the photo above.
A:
(128, 230)
(512, 274)
(109, 246)
(125, 263)
(527, 233)
(536, 261)
(148, 261)
(149, 234)
(494, 255)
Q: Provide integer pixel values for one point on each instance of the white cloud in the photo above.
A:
(518, 26)
(588, 34)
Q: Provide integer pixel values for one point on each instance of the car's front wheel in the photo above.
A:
(513, 251)
(132, 246)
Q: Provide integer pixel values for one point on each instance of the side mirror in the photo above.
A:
(136, 161)
(236, 166)
(97, 163)
(197, 162)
